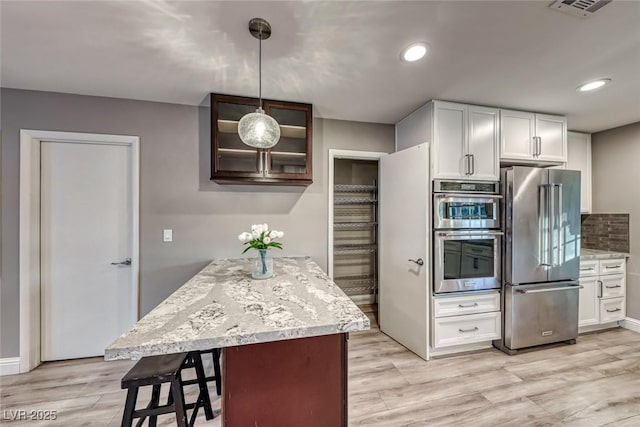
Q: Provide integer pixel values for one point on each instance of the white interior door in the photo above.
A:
(404, 231)
(86, 224)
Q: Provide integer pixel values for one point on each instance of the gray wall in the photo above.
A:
(175, 190)
(616, 175)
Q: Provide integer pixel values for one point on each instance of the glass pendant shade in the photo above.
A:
(259, 130)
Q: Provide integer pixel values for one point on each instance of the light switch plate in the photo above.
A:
(167, 235)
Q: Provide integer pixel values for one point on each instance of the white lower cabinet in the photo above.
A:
(603, 293)
(612, 310)
(467, 329)
(466, 319)
(613, 286)
(589, 309)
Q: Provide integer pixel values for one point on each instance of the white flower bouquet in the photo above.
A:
(261, 239)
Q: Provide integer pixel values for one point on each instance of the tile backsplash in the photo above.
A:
(608, 232)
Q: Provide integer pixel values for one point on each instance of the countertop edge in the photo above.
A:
(134, 353)
(603, 255)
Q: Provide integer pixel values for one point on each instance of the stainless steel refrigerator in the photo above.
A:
(541, 262)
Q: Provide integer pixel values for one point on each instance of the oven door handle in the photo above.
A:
(467, 196)
(472, 234)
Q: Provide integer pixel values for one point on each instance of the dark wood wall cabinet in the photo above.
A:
(289, 162)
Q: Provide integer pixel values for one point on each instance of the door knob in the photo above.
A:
(127, 261)
(418, 261)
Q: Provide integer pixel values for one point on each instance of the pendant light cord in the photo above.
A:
(260, 67)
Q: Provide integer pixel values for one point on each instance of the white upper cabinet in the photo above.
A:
(449, 150)
(551, 132)
(532, 138)
(483, 129)
(465, 142)
(516, 135)
(579, 159)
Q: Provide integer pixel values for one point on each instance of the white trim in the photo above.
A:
(9, 366)
(631, 324)
(29, 245)
(463, 348)
(342, 154)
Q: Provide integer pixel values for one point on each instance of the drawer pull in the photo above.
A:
(475, 304)
(616, 286)
(612, 266)
(586, 269)
(613, 311)
(475, 328)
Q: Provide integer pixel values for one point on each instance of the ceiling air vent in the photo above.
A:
(581, 8)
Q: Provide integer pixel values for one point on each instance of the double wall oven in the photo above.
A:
(467, 236)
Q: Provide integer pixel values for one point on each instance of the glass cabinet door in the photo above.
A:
(231, 156)
(291, 157)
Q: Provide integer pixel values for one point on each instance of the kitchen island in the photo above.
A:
(284, 339)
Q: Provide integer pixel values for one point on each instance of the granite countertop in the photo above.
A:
(598, 254)
(222, 306)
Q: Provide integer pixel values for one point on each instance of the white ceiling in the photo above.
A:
(341, 56)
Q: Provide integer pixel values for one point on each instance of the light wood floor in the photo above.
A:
(595, 382)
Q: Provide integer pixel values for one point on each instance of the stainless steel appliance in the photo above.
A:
(466, 260)
(467, 239)
(466, 205)
(541, 256)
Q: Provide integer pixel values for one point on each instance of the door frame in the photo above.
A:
(342, 154)
(29, 242)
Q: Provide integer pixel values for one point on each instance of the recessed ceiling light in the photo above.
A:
(415, 51)
(596, 84)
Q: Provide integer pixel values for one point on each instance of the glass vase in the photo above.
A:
(262, 265)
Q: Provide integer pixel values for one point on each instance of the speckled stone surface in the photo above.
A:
(586, 254)
(222, 306)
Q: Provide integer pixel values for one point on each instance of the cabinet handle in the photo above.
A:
(612, 287)
(473, 164)
(613, 311)
(475, 304)
(467, 165)
(475, 328)
(609, 266)
(539, 146)
(586, 269)
(599, 288)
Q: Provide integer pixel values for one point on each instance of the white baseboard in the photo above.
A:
(463, 348)
(598, 327)
(631, 324)
(9, 366)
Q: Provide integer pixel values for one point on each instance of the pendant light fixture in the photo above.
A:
(258, 129)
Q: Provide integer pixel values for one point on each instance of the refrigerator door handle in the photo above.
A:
(559, 224)
(545, 226)
(538, 291)
(552, 223)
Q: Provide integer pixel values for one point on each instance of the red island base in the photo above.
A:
(297, 382)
